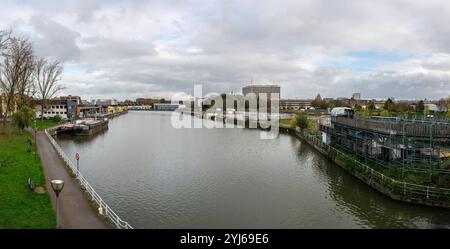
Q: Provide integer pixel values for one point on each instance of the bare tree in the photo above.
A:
(47, 76)
(25, 86)
(16, 69)
(4, 39)
(443, 104)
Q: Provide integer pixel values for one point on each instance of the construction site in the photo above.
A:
(404, 148)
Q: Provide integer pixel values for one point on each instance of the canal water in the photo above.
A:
(156, 176)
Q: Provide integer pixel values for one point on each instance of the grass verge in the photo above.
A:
(20, 207)
(44, 124)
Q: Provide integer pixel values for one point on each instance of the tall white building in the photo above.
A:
(356, 96)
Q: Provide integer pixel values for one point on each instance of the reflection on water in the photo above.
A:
(156, 176)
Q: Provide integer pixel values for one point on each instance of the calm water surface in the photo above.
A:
(155, 176)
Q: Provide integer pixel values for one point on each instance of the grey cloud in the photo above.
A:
(140, 48)
(383, 85)
(54, 40)
(85, 10)
(101, 49)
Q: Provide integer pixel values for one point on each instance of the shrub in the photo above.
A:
(293, 122)
(302, 121)
(57, 118)
(385, 113)
(24, 117)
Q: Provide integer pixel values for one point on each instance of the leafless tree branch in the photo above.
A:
(47, 77)
(16, 72)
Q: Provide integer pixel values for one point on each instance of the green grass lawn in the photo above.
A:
(20, 207)
(44, 124)
(286, 123)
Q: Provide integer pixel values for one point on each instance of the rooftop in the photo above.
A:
(261, 86)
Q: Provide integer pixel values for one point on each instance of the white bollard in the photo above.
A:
(100, 210)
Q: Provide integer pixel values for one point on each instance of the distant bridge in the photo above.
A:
(140, 108)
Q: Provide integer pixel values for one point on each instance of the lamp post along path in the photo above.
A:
(35, 130)
(35, 137)
(57, 186)
(77, 157)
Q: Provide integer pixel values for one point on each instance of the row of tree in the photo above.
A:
(320, 103)
(389, 105)
(24, 76)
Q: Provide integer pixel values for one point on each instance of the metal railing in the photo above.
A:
(107, 211)
(398, 127)
(405, 189)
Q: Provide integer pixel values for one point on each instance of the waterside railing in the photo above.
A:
(107, 211)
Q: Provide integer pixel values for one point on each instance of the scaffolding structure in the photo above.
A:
(394, 143)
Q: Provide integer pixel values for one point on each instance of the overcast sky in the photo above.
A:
(131, 49)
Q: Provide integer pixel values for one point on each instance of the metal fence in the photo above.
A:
(107, 211)
(407, 190)
(399, 127)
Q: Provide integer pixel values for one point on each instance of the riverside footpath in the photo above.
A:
(76, 212)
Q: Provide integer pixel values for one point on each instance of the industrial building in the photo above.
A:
(165, 107)
(65, 107)
(72, 108)
(295, 104)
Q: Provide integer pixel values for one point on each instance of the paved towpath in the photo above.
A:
(76, 212)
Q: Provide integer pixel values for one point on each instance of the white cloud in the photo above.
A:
(140, 48)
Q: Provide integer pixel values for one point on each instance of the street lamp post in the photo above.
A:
(35, 132)
(77, 157)
(57, 186)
